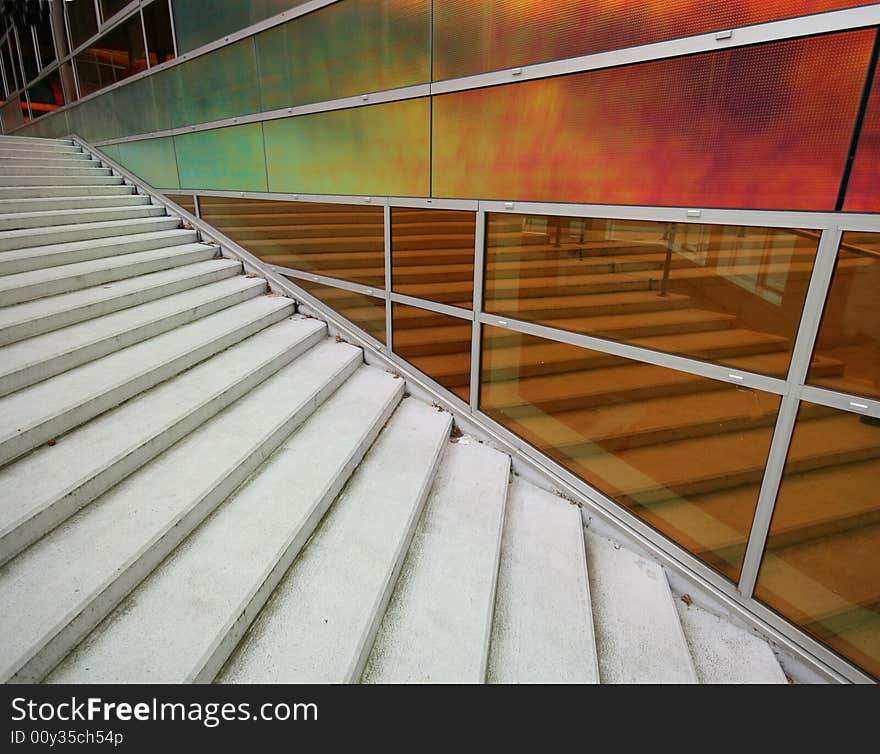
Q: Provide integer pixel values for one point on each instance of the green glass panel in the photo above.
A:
(345, 49)
(141, 107)
(264, 8)
(229, 159)
(198, 22)
(221, 84)
(111, 150)
(378, 149)
(95, 119)
(152, 160)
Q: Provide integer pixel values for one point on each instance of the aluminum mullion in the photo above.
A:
(378, 201)
(198, 206)
(856, 404)
(432, 203)
(802, 352)
(477, 328)
(432, 306)
(365, 290)
(140, 14)
(173, 30)
(389, 319)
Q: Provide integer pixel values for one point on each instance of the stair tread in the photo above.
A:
(725, 653)
(439, 620)
(63, 476)
(42, 348)
(180, 624)
(543, 630)
(27, 311)
(639, 637)
(55, 203)
(319, 624)
(56, 398)
(95, 557)
(21, 237)
(57, 220)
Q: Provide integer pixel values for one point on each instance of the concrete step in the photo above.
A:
(89, 168)
(320, 623)
(36, 142)
(639, 637)
(38, 358)
(47, 182)
(61, 479)
(68, 217)
(146, 220)
(46, 410)
(27, 286)
(40, 152)
(46, 159)
(52, 204)
(53, 255)
(439, 620)
(43, 315)
(725, 653)
(183, 621)
(543, 631)
(42, 191)
(98, 555)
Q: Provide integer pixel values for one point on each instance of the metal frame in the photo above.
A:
(737, 599)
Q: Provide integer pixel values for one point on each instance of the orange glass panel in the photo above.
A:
(472, 36)
(437, 344)
(187, 201)
(821, 568)
(763, 127)
(117, 55)
(432, 254)
(367, 312)
(863, 191)
(336, 240)
(849, 336)
(727, 294)
(684, 453)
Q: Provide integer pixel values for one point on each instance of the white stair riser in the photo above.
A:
(100, 277)
(60, 509)
(46, 161)
(91, 168)
(52, 218)
(59, 180)
(42, 191)
(64, 318)
(37, 142)
(82, 202)
(86, 232)
(42, 370)
(44, 431)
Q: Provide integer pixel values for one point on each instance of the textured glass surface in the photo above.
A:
(728, 294)
(221, 84)
(152, 160)
(242, 166)
(187, 201)
(157, 25)
(863, 192)
(82, 21)
(432, 254)
(437, 344)
(43, 29)
(28, 53)
(11, 114)
(367, 312)
(111, 150)
(684, 453)
(46, 95)
(114, 57)
(198, 22)
(471, 36)
(376, 149)
(336, 240)
(345, 49)
(759, 127)
(141, 106)
(8, 68)
(820, 567)
(94, 119)
(110, 8)
(849, 335)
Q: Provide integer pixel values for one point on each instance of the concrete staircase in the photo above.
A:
(199, 484)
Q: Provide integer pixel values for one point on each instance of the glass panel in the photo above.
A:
(110, 8)
(265, 8)
(820, 567)
(151, 160)
(432, 254)
(46, 95)
(95, 119)
(43, 29)
(378, 149)
(115, 56)
(471, 36)
(140, 106)
(11, 114)
(764, 127)
(437, 344)
(16, 62)
(5, 61)
(336, 240)
(684, 453)
(28, 53)
(198, 22)
(187, 201)
(157, 24)
(729, 294)
(221, 84)
(243, 167)
(849, 335)
(367, 312)
(81, 20)
(345, 49)
(862, 193)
